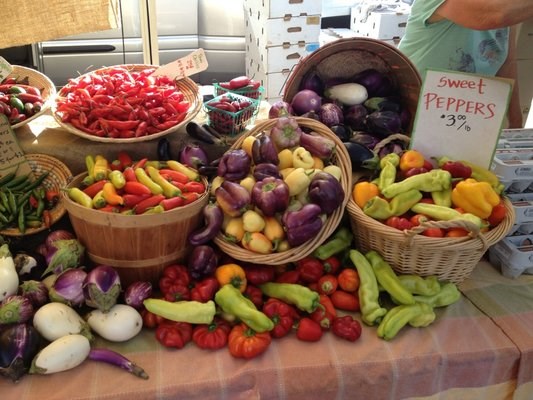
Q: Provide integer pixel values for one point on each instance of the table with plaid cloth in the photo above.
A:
(478, 348)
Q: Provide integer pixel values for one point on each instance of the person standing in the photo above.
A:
(473, 36)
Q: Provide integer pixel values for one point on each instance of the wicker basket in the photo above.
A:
(40, 81)
(186, 85)
(344, 58)
(450, 259)
(59, 176)
(341, 159)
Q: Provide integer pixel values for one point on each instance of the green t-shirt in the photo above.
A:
(445, 45)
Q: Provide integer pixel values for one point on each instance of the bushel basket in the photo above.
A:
(340, 158)
(450, 259)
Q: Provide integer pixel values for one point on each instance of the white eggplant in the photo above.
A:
(54, 320)
(349, 94)
(9, 278)
(119, 324)
(62, 354)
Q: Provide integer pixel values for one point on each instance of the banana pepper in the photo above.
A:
(441, 213)
(436, 179)
(417, 315)
(388, 164)
(475, 197)
(448, 294)
(379, 208)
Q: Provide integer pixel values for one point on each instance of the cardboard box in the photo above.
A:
(280, 9)
(272, 82)
(378, 24)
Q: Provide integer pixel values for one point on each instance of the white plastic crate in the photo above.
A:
(512, 164)
(523, 207)
(513, 255)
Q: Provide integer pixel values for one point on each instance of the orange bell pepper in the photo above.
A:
(232, 274)
(364, 191)
(411, 159)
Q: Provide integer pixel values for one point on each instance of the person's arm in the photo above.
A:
(510, 70)
(484, 14)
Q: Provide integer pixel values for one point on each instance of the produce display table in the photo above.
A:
(479, 347)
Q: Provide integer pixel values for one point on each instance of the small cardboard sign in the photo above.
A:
(191, 64)
(5, 68)
(460, 115)
(11, 155)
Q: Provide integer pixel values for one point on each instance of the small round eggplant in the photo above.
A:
(343, 132)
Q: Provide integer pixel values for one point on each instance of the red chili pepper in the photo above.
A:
(150, 202)
(125, 159)
(194, 187)
(135, 187)
(282, 314)
(173, 176)
(324, 313)
(129, 174)
(131, 200)
(172, 202)
(309, 330)
(310, 268)
(189, 197)
(174, 334)
(239, 82)
(258, 274)
(345, 300)
(205, 289)
(211, 336)
(254, 294)
(95, 187)
(347, 327)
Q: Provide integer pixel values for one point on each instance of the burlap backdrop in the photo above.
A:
(30, 21)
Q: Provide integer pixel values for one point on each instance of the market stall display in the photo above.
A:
(26, 94)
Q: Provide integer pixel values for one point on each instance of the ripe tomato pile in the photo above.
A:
(118, 103)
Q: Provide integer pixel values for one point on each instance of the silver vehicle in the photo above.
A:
(181, 26)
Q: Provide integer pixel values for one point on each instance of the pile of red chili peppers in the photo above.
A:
(119, 103)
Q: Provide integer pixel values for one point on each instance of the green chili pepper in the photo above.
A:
(442, 213)
(448, 294)
(300, 296)
(7, 178)
(21, 223)
(12, 203)
(442, 197)
(194, 312)
(387, 175)
(422, 286)
(371, 310)
(339, 241)
(233, 302)
(436, 179)
(388, 279)
(379, 208)
(399, 316)
(16, 181)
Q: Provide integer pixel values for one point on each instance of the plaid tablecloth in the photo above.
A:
(479, 348)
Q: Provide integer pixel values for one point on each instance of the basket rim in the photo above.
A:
(63, 174)
(50, 87)
(185, 84)
(332, 221)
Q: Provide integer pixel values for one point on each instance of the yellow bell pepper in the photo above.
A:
(475, 197)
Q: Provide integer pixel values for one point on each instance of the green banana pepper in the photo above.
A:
(396, 318)
(436, 179)
(422, 286)
(387, 175)
(388, 279)
(368, 292)
(379, 208)
(442, 197)
(300, 296)
(339, 241)
(233, 302)
(442, 213)
(193, 312)
(448, 294)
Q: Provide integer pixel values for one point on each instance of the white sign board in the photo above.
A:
(460, 115)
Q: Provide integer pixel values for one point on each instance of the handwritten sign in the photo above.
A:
(186, 66)
(11, 155)
(460, 115)
(5, 68)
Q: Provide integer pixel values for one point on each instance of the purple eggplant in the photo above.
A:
(342, 131)
(264, 170)
(264, 150)
(319, 146)
(330, 114)
(233, 198)
(234, 165)
(19, 344)
(194, 156)
(355, 116)
(68, 287)
(136, 293)
(383, 123)
(312, 81)
(280, 109)
(102, 287)
(202, 261)
(326, 191)
(15, 309)
(366, 139)
(36, 291)
(375, 82)
(64, 254)
(111, 357)
(303, 224)
(286, 133)
(271, 195)
(213, 218)
(361, 156)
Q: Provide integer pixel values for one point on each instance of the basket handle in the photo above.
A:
(389, 139)
(473, 229)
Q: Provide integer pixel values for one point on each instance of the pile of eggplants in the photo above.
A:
(364, 110)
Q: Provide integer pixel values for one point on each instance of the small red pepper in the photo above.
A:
(173, 278)
(282, 314)
(327, 284)
(258, 274)
(331, 264)
(211, 336)
(292, 276)
(457, 169)
(174, 334)
(205, 289)
(310, 268)
(347, 327)
(254, 294)
(324, 313)
(345, 300)
(309, 330)
(400, 223)
(151, 320)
